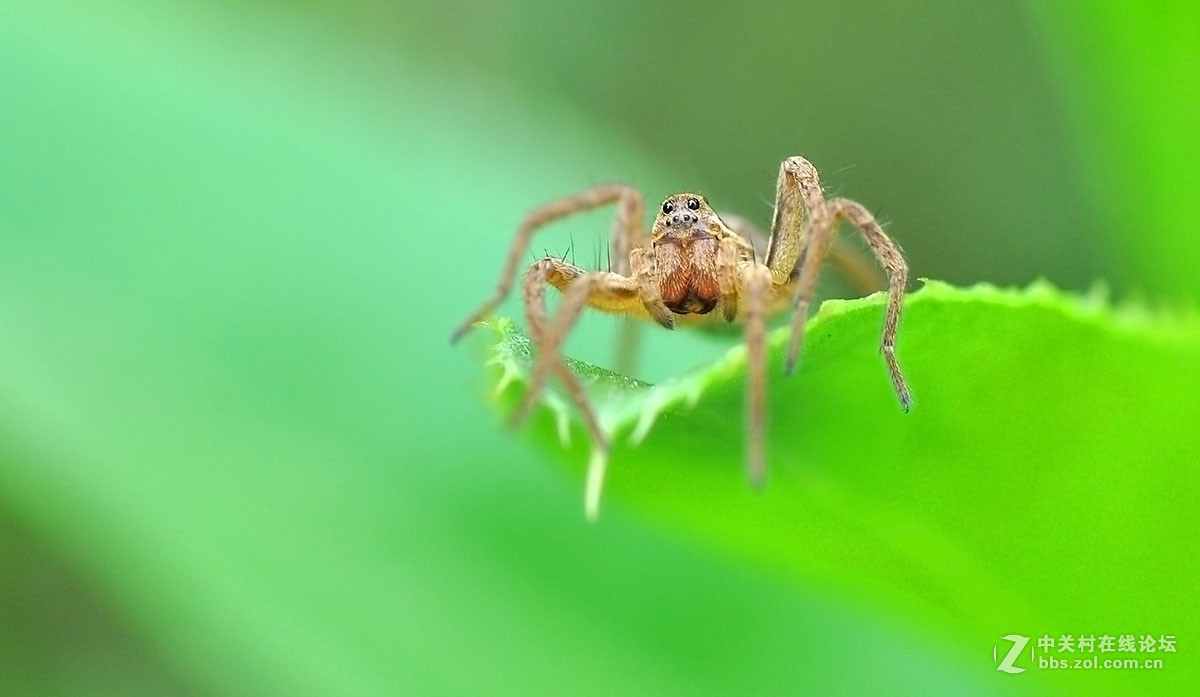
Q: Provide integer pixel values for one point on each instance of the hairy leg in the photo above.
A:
(547, 359)
(852, 263)
(800, 187)
(897, 270)
(889, 257)
(758, 287)
(799, 210)
(629, 346)
(548, 338)
(800, 194)
(627, 231)
(627, 235)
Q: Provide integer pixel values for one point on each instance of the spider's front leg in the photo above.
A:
(858, 270)
(606, 289)
(797, 199)
(800, 193)
(897, 270)
(800, 234)
(627, 235)
(548, 336)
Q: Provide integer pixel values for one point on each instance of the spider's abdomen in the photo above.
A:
(687, 273)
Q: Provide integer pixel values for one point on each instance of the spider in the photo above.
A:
(695, 269)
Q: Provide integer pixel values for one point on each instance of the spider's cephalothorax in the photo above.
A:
(685, 239)
(693, 264)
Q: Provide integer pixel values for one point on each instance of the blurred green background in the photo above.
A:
(237, 455)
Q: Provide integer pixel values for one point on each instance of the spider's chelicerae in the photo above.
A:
(695, 269)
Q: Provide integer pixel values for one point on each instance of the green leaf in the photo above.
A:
(1042, 484)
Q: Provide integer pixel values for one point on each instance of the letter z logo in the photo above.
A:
(1018, 645)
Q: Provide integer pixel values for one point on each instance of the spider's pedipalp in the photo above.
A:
(647, 285)
(728, 255)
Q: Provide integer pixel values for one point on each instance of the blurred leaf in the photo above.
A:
(1128, 75)
(1042, 484)
(233, 243)
(59, 638)
(233, 247)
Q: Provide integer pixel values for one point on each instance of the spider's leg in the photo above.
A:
(605, 290)
(608, 292)
(547, 338)
(629, 334)
(792, 241)
(893, 261)
(853, 264)
(629, 346)
(799, 216)
(805, 186)
(758, 287)
(627, 235)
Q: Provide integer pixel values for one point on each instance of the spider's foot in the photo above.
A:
(474, 318)
(793, 355)
(461, 331)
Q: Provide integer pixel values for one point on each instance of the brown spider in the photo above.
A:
(696, 269)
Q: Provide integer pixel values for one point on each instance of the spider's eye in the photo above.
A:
(668, 207)
(694, 204)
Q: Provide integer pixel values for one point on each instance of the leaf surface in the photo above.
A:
(1041, 483)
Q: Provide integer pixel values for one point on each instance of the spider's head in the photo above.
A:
(683, 215)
